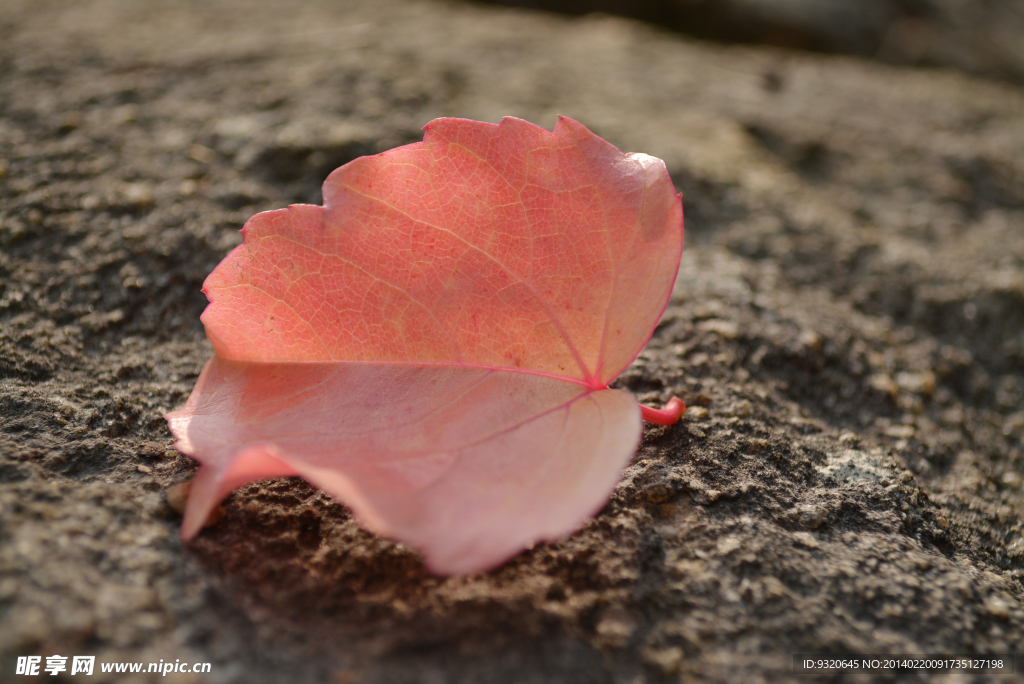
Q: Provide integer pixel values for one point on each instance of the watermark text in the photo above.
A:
(87, 665)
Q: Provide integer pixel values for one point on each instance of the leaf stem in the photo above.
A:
(669, 415)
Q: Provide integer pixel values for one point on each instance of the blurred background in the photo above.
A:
(980, 36)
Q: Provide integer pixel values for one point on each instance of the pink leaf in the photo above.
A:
(433, 346)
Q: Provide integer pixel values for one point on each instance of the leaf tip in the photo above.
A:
(204, 493)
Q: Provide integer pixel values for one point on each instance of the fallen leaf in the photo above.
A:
(433, 346)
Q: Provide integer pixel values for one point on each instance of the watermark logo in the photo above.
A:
(82, 664)
(33, 666)
(28, 665)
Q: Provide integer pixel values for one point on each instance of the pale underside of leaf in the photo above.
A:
(467, 465)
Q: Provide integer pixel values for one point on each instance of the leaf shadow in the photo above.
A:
(302, 571)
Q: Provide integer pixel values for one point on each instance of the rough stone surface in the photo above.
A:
(847, 327)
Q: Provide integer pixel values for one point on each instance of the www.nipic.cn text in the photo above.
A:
(86, 665)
